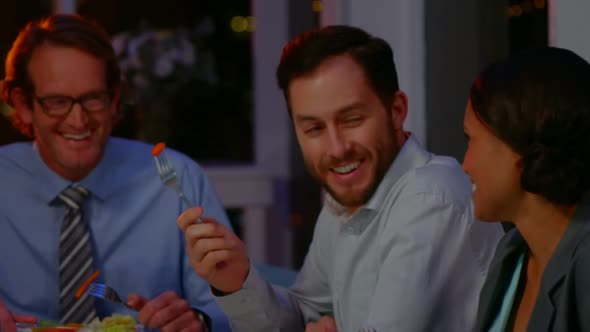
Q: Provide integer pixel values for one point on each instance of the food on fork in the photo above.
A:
(85, 284)
(158, 148)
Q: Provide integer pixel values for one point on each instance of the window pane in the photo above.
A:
(189, 68)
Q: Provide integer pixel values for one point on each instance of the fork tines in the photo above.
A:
(165, 169)
(96, 289)
(105, 292)
(167, 174)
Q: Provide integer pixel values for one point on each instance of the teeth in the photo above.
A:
(78, 136)
(347, 168)
(473, 187)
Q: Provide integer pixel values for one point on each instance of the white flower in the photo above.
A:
(164, 65)
(119, 42)
(187, 53)
(157, 63)
(133, 49)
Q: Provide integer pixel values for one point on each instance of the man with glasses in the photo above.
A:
(63, 81)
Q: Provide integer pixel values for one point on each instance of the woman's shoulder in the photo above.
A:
(581, 257)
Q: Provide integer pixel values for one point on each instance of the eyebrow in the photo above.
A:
(305, 118)
(350, 108)
(89, 92)
(341, 112)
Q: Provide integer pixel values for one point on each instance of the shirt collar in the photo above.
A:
(94, 182)
(410, 156)
(50, 183)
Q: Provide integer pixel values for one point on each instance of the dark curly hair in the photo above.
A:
(306, 52)
(538, 103)
(67, 30)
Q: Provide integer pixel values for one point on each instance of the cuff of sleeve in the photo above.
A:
(204, 318)
(247, 301)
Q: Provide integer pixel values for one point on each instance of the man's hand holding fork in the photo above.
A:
(216, 253)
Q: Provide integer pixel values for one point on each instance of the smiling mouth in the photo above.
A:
(77, 137)
(346, 168)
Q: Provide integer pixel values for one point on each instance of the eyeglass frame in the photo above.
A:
(72, 101)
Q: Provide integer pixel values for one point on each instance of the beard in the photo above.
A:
(348, 199)
(356, 194)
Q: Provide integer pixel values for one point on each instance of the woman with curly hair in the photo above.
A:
(528, 125)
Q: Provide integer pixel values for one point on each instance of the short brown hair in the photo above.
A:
(306, 52)
(67, 30)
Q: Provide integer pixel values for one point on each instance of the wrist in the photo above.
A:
(219, 292)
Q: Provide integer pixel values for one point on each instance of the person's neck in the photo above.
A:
(542, 225)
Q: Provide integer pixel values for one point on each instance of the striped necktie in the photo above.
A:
(75, 259)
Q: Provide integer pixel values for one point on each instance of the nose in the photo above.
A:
(339, 144)
(78, 117)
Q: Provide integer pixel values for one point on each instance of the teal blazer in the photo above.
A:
(563, 303)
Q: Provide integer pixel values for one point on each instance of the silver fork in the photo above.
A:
(105, 292)
(168, 176)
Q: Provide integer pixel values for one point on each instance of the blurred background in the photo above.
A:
(201, 77)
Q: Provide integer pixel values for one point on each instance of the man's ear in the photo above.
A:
(399, 109)
(21, 105)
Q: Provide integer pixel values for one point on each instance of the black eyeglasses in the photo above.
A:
(57, 105)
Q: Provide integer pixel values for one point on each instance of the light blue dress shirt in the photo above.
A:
(501, 322)
(132, 218)
(412, 259)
